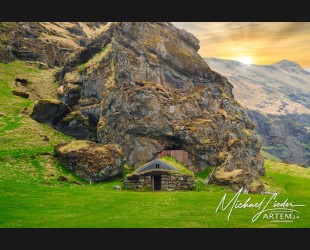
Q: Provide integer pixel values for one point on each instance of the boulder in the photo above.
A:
(237, 179)
(93, 162)
(49, 111)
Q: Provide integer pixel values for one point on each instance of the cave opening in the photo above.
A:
(175, 148)
(174, 143)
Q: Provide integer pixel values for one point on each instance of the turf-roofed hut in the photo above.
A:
(161, 174)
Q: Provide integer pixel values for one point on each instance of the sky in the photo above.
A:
(253, 42)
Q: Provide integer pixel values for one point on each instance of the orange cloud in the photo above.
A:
(266, 42)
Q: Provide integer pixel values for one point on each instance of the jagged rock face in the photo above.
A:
(286, 137)
(156, 92)
(61, 117)
(47, 42)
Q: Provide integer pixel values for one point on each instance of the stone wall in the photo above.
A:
(168, 181)
(140, 182)
(177, 182)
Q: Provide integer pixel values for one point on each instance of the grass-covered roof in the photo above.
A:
(171, 162)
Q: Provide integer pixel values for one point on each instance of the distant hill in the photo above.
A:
(279, 88)
(277, 97)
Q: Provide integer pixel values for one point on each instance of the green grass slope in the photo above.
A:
(34, 192)
(26, 146)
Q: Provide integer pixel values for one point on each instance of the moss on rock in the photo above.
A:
(93, 162)
(75, 115)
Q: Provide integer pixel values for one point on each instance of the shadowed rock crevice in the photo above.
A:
(61, 117)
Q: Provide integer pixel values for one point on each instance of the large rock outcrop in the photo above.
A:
(47, 42)
(145, 88)
(91, 161)
(61, 117)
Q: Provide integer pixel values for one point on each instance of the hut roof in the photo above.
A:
(155, 165)
(165, 163)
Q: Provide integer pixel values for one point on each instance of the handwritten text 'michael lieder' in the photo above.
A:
(265, 205)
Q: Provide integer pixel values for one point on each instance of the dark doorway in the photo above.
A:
(156, 182)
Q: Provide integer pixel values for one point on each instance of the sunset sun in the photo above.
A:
(244, 59)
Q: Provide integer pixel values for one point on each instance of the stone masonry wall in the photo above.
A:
(168, 181)
(138, 182)
(177, 182)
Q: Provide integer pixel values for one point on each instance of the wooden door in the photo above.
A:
(156, 182)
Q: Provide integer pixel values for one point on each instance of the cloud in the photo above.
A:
(265, 42)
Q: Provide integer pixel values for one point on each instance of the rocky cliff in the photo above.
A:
(144, 87)
(47, 42)
(287, 137)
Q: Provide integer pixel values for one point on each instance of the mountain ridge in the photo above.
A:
(277, 97)
(279, 88)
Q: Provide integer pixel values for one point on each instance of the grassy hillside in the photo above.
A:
(37, 191)
(25, 145)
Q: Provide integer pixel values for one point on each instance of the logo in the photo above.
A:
(268, 209)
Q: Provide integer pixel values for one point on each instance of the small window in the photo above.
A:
(156, 165)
